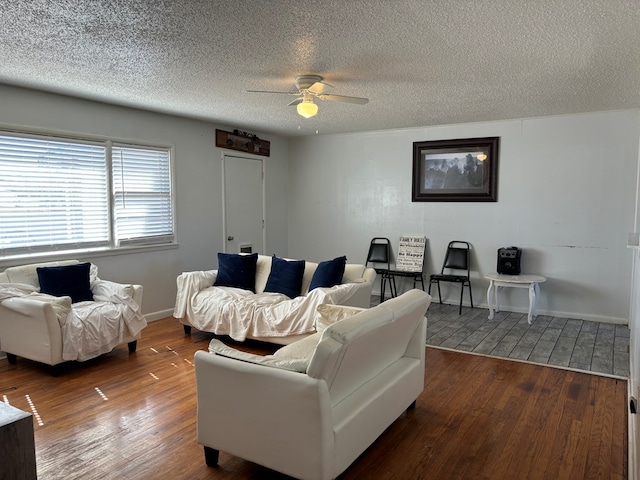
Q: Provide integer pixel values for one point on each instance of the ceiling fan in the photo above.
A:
(310, 86)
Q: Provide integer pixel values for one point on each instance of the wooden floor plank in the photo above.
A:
(133, 417)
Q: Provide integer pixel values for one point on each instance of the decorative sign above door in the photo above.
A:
(242, 142)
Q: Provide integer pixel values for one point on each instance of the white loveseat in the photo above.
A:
(51, 329)
(314, 406)
(256, 314)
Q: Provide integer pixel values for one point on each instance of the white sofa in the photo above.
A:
(51, 329)
(314, 406)
(270, 317)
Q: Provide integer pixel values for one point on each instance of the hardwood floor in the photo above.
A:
(133, 417)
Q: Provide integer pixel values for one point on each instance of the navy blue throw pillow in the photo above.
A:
(328, 273)
(66, 280)
(285, 277)
(235, 270)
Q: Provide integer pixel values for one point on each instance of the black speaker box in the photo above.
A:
(509, 260)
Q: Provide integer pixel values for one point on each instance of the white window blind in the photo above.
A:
(143, 208)
(53, 195)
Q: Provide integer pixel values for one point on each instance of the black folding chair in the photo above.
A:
(380, 253)
(456, 261)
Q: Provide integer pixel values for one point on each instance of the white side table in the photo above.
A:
(498, 281)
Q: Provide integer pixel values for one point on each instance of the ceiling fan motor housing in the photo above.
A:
(304, 82)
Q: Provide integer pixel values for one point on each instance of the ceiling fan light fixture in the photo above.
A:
(307, 108)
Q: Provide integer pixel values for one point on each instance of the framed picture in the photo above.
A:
(462, 170)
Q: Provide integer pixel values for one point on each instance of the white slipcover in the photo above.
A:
(364, 372)
(52, 330)
(264, 316)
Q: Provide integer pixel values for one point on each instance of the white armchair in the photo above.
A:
(51, 329)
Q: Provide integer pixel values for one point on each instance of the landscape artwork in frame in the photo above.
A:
(460, 170)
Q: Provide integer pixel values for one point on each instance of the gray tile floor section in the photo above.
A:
(578, 344)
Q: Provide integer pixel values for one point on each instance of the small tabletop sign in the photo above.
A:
(411, 253)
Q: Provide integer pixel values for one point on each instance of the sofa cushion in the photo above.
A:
(263, 269)
(328, 314)
(328, 273)
(309, 271)
(28, 275)
(66, 280)
(285, 277)
(236, 270)
(300, 349)
(292, 364)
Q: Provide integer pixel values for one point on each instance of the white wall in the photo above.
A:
(566, 195)
(198, 184)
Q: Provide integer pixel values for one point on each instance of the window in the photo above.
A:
(142, 195)
(58, 194)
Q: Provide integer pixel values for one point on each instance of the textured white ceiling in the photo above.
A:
(420, 63)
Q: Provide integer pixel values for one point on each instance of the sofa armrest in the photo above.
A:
(369, 275)
(28, 325)
(362, 296)
(189, 284)
(137, 294)
(417, 344)
(26, 307)
(40, 304)
(288, 414)
(104, 289)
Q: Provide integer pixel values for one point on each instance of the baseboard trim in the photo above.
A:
(549, 313)
(153, 316)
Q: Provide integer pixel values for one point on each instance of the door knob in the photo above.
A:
(230, 238)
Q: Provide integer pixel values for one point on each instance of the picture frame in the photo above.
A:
(458, 170)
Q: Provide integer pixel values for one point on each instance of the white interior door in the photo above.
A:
(243, 200)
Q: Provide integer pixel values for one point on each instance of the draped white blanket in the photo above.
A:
(10, 290)
(89, 328)
(241, 313)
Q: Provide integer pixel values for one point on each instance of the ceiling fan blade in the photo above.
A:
(343, 98)
(319, 88)
(268, 91)
(295, 102)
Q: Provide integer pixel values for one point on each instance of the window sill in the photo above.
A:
(81, 254)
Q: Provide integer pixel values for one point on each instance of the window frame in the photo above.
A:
(111, 247)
